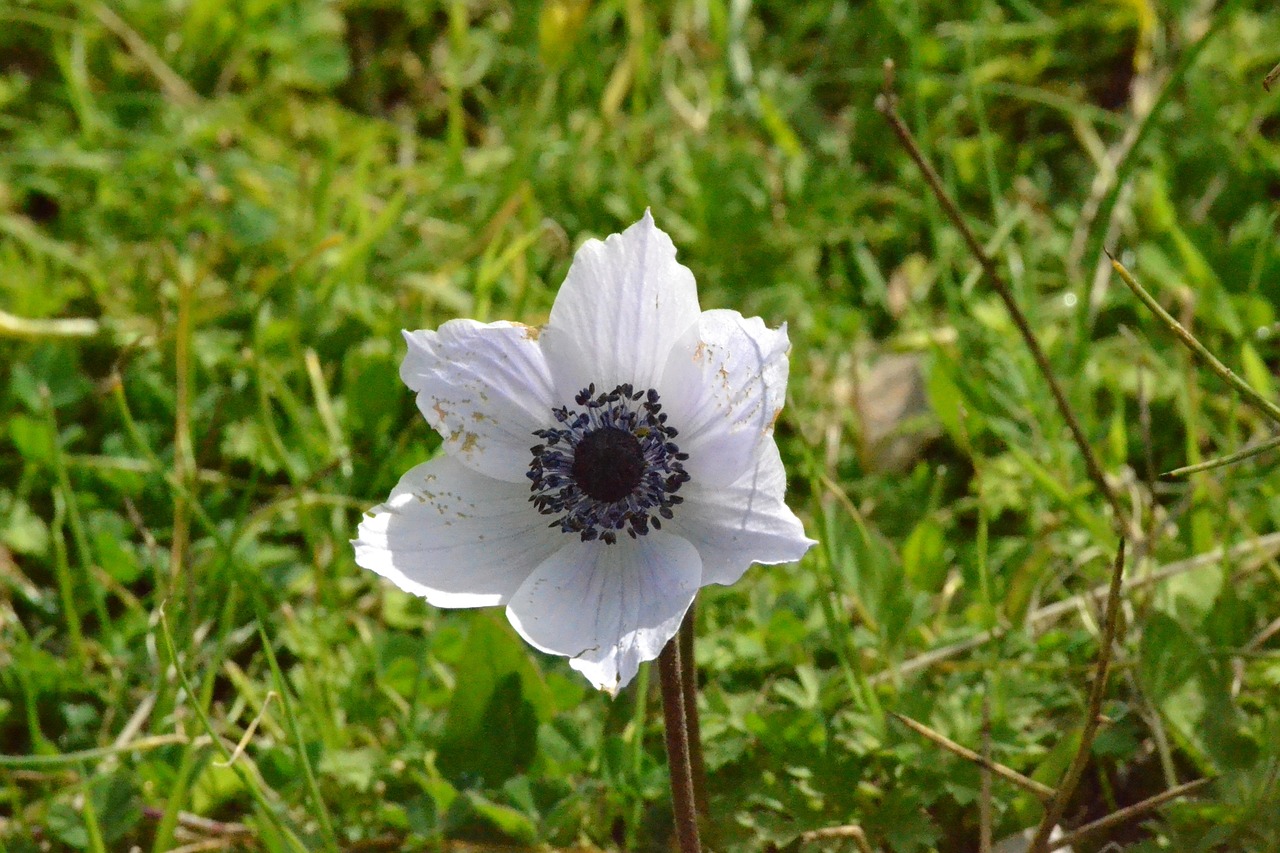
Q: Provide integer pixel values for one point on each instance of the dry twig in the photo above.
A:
(1226, 374)
(887, 105)
(1126, 814)
(1038, 789)
(174, 87)
(848, 831)
(984, 795)
(1093, 716)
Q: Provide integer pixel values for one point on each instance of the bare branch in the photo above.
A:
(1039, 790)
(887, 105)
(1226, 374)
(1093, 716)
(1239, 456)
(1271, 78)
(849, 831)
(1126, 814)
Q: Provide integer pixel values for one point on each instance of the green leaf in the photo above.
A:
(491, 728)
(923, 556)
(65, 824)
(22, 530)
(1256, 372)
(31, 437)
(475, 817)
(351, 767)
(1169, 656)
(117, 805)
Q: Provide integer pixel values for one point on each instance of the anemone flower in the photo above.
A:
(599, 470)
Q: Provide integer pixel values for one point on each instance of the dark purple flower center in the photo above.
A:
(609, 465)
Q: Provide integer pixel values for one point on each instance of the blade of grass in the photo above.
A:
(84, 553)
(1239, 456)
(92, 828)
(66, 593)
(324, 407)
(168, 824)
(184, 459)
(197, 704)
(636, 732)
(295, 730)
(1127, 160)
(835, 594)
(45, 762)
(30, 329)
(174, 87)
(159, 467)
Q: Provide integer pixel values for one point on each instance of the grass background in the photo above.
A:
(247, 201)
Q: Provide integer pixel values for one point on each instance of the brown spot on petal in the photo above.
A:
(531, 333)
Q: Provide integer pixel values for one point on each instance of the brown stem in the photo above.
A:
(984, 796)
(1093, 718)
(1199, 350)
(1038, 789)
(677, 733)
(689, 689)
(886, 104)
(852, 831)
(1126, 814)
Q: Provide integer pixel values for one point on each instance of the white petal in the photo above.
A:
(747, 522)
(621, 309)
(485, 389)
(608, 607)
(723, 392)
(455, 537)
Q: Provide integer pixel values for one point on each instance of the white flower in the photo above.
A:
(599, 470)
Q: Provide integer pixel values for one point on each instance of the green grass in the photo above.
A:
(249, 201)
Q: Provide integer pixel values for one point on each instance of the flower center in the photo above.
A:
(610, 465)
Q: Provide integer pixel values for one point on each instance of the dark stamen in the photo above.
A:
(610, 467)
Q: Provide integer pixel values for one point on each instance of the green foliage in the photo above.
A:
(250, 200)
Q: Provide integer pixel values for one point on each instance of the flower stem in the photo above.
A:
(673, 705)
(689, 689)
